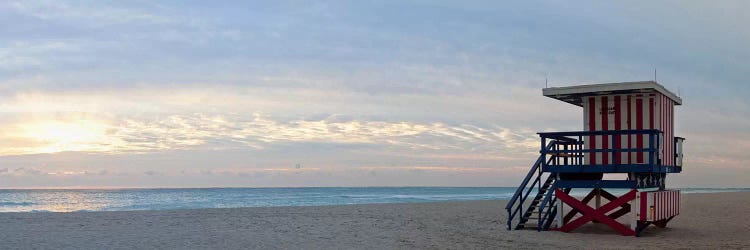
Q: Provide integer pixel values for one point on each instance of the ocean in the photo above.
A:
(70, 200)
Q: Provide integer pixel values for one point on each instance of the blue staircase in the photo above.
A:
(540, 211)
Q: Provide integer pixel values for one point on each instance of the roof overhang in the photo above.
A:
(574, 94)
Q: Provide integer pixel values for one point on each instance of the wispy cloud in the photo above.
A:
(89, 11)
(252, 131)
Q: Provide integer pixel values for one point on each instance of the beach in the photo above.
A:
(707, 221)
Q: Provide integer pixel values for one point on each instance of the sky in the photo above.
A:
(348, 93)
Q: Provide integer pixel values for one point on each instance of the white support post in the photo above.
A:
(635, 210)
(560, 213)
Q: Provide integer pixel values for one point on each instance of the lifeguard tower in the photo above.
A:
(627, 145)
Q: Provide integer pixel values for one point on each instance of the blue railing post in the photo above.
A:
(659, 161)
(651, 150)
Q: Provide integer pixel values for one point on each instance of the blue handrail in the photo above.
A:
(543, 217)
(524, 184)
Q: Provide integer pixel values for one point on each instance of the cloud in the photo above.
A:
(256, 132)
(27, 171)
(92, 12)
(151, 173)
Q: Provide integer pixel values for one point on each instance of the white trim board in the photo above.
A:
(573, 94)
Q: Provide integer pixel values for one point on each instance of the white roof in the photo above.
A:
(573, 94)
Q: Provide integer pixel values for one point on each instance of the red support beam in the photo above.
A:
(574, 211)
(600, 214)
(624, 208)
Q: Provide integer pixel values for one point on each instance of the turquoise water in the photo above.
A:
(68, 200)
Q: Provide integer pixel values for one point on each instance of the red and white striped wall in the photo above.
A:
(658, 205)
(628, 112)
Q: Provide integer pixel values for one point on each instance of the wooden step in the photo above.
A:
(529, 225)
(567, 142)
(562, 154)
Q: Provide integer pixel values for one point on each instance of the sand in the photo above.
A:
(708, 221)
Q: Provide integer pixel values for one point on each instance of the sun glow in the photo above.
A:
(61, 136)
